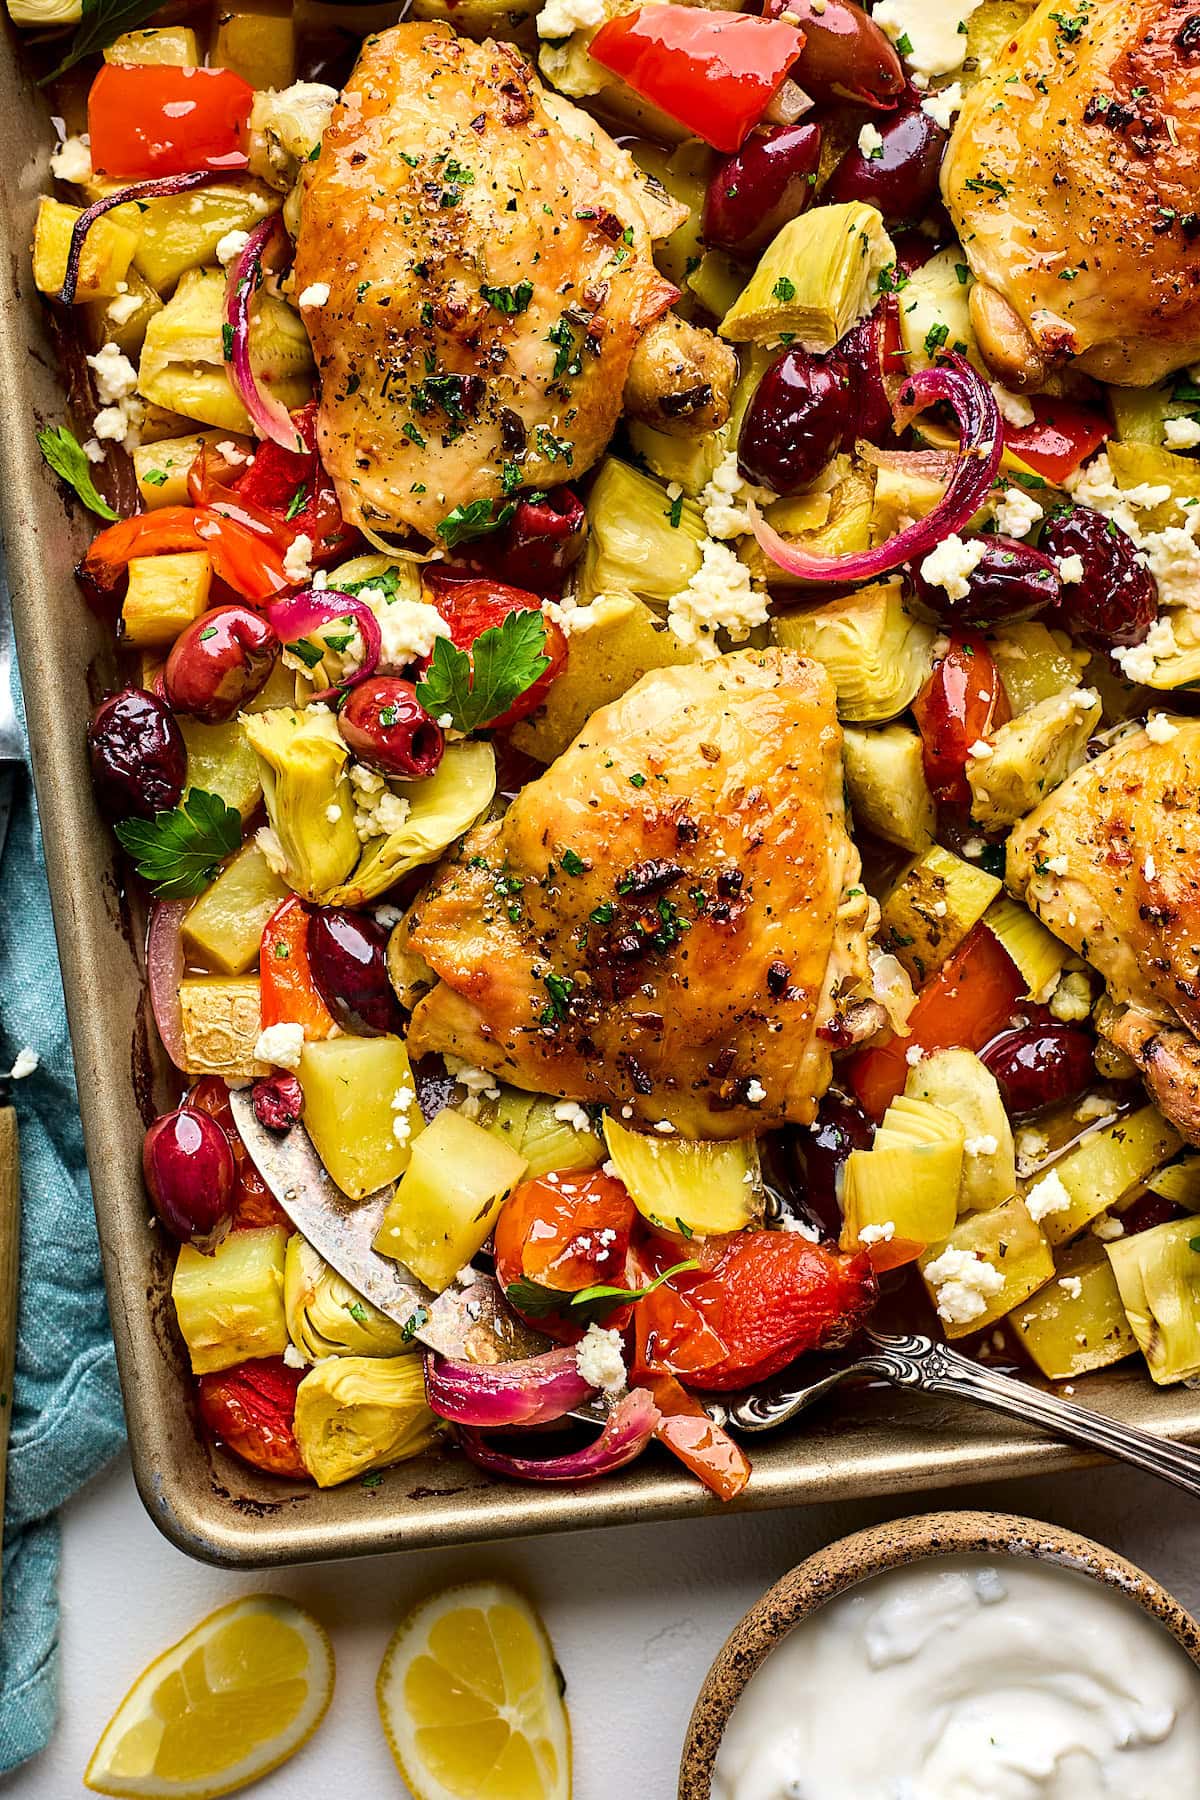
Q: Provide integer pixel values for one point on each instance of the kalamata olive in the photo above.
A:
(188, 1164)
(543, 541)
(1116, 602)
(1039, 1066)
(219, 662)
(347, 955)
(804, 1166)
(795, 421)
(845, 54)
(278, 1101)
(139, 761)
(1011, 581)
(772, 179)
(869, 413)
(899, 177)
(387, 728)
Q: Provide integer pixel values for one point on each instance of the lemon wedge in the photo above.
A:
(233, 1699)
(469, 1697)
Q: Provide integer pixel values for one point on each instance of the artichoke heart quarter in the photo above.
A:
(358, 1413)
(307, 791)
(327, 1316)
(440, 809)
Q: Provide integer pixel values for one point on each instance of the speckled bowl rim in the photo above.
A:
(856, 1558)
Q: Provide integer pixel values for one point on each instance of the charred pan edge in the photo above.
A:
(215, 1510)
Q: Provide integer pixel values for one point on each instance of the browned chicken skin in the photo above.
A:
(1111, 863)
(487, 251)
(669, 920)
(1073, 177)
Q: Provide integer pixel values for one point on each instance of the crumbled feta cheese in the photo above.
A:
(1150, 868)
(951, 564)
(315, 294)
(1140, 661)
(1014, 408)
(116, 377)
(1017, 513)
(231, 245)
(408, 629)
(377, 810)
(799, 1228)
(480, 1085)
(571, 1113)
(983, 1145)
(870, 142)
(121, 308)
(1159, 729)
(293, 1357)
(913, 1055)
(1031, 1147)
(388, 916)
(403, 1101)
(725, 501)
(1181, 434)
(232, 453)
(562, 18)
(755, 1092)
(1107, 1229)
(1047, 1196)
(266, 840)
(600, 1360)
(1071, 570)
(282, 1045)
(297, 561)
(1071, 1000)
(962, 1285)
(935, 30)
(942, 106)
(1071, 1285)
(665, 1128)
(94, 450)
(980, 749)
(27, 1061)
(1092, 1107)
(878, 1234)
(720, 595)
(72, 161)
(119, 424)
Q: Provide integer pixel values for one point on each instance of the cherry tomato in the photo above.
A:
(1062, 436)
(766, 1298)
(472, 607)
(251, 1409)
(290, 995)
(961, 702)
(295, 487)
(965, 1004)
(155, 119)
(568, 1232)
(254, 1205)
(715, 72)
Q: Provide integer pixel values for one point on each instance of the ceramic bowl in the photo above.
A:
(891, 1546)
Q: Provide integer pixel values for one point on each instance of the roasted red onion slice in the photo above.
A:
(300, 615)
(269, 416)
(532, 1391)
(164, 970)
(631, 1425)
(141, 190)
(981, 445)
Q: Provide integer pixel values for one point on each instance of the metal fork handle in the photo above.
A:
(920, 1362)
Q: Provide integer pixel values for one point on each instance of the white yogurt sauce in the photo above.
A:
(969, 1678)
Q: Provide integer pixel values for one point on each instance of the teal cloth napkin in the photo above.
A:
(67, 1417)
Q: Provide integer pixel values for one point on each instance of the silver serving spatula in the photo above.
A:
(468, 1324)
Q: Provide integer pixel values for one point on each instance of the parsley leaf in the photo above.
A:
(479, 686)
(589, 1304)
(65, 454)
(178, 851)
(474, 520)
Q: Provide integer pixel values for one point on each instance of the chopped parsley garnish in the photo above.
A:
(474, 520)
(559, 989)
(572, 862)
(509, 300)
(589, 1304)
(784, 290)
(298, 502)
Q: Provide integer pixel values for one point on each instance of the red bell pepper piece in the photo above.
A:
(688, 1432)
(1063, 435)
(293, 487)
(961, 702)
(156, 119)
(966, 1003)
(715, 72)
(251, 566)
(289, 993)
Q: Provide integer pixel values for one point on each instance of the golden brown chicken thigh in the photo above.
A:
(669, 920)
(486, 249)
(1110, 861)
(1073, 177)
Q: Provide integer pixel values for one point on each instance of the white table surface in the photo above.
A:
(636, 1615)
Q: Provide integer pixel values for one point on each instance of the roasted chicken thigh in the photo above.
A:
(1111, 863)
(1073, 178)
(474, 268)
(669, 921)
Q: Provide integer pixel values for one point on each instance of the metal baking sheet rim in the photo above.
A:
(864, 1444)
